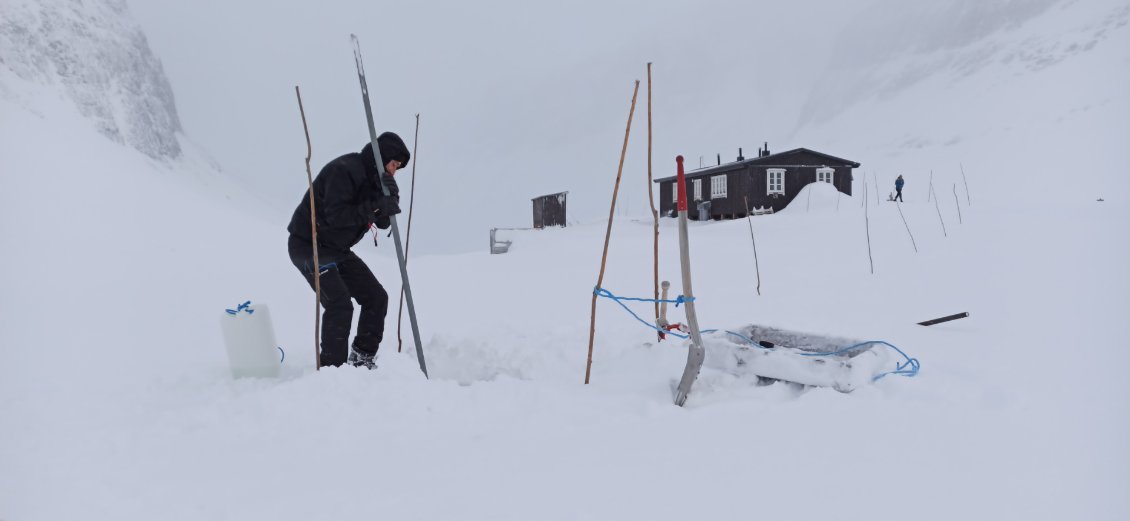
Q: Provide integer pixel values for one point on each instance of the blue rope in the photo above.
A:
(601, 292)
(283, 354)
(246, 306)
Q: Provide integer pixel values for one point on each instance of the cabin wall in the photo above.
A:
(750, 183)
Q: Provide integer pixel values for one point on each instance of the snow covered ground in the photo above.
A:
(116, 401)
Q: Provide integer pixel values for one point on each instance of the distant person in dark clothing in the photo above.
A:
(348, 201)
(898, 188)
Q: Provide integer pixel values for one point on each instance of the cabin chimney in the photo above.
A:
(765, 151)
(740, 158)
(719, 159)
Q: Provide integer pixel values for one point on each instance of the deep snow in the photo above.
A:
(116, 401)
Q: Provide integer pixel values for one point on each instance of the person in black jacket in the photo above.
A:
(348, 201)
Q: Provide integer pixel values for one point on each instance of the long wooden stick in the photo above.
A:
(408, 235)
(313, 241)
(930, 192)
(898, 204)
(867, 225)
(875, 178)
(957, 202)
(651, 200)
(939, 208)
(608, 232)
(755, 264)
(968, 199)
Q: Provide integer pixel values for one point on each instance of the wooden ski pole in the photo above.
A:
(651, 200)
(313, 241)
(608, 232)
(408, 234)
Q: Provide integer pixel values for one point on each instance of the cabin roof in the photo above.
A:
(768, 161)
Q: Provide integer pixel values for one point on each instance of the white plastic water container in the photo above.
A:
(250, 341)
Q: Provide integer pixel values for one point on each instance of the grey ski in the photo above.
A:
(395, 228)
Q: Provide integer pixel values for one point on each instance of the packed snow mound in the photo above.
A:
(817, 198)
(99, 57)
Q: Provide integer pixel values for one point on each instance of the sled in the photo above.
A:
(774, 354)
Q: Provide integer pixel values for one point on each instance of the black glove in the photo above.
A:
(390, 183)
(387, 206)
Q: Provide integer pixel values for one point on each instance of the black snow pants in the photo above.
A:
(344, 277)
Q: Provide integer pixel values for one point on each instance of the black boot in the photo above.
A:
(360, 359)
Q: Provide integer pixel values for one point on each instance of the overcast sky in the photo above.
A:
(516, 99)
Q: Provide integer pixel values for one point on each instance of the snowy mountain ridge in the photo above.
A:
(97, 56)
(879, 59)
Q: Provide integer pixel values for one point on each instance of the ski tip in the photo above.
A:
(679, 159)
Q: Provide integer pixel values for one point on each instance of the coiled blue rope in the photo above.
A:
(908, 368)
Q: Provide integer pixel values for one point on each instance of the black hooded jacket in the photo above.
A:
(345, 196)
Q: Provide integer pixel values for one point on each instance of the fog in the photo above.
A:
(520, 99)
(515, 99)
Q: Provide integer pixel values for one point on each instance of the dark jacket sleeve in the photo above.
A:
(341, 204)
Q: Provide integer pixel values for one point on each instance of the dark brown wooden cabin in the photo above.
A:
(769, 182)
(549, 210)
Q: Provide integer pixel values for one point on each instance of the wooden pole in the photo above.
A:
(957, 202)
(756, 267)
(939, 208)
(651, 200)
(875, 178)
(898, 205)
(608, 232)
(968, 199)
(930, 188)
(867, 225)
(408, 235)
(313, 241)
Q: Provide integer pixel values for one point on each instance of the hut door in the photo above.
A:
(539, 211)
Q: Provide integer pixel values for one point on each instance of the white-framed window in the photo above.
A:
(697, 183)
(824, 174)
(718, 187)
(675, 192)
(776, 181)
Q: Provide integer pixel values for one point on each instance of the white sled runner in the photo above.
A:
(777, 354)
(250, 341)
